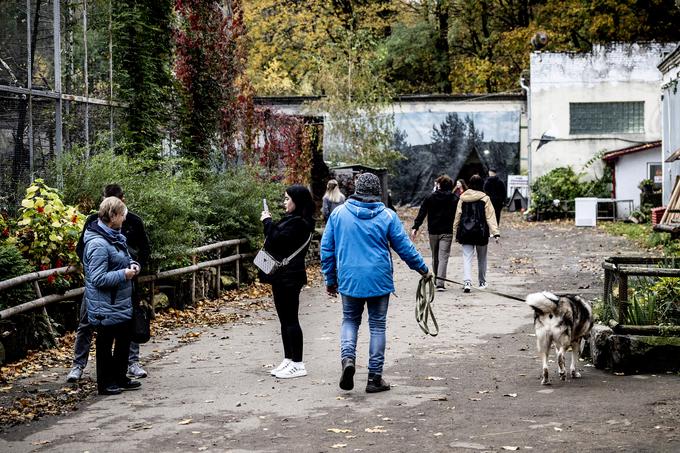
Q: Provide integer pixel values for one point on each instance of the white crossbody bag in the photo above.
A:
(270, 265)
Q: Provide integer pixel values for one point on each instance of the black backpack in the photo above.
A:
(472, 227)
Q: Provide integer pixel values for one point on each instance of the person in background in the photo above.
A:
(495, 189)
(109, 269)
(331, 199)
(473, 223)
(459, 189)
(138, 246)
(356, 262)
(282, 239)
(440, 209)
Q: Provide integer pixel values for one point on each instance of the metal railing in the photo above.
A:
(43, 301)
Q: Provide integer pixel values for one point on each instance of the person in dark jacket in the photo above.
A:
(138, 246)
(440, 209)
(331, 199)
(495, 189)
(474, 222)
(109, 269)
(282, 239)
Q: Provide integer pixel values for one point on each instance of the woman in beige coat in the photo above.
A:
(475, 221)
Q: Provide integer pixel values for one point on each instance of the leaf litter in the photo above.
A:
(27, 386)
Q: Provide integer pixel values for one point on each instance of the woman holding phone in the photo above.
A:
(282, 239)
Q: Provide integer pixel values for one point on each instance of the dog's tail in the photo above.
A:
(544, 302)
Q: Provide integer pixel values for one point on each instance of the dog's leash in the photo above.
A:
(424, 299)
(507, 296)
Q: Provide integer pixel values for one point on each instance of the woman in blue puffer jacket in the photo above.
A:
(108, 295)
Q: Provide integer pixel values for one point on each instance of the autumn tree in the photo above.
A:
(209, 67)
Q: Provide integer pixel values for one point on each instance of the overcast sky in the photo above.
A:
(496, 126)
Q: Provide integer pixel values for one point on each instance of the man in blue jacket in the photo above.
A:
(357, 263)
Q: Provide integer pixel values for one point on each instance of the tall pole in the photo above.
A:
(58, 126)
(29, 85)
(87, 91)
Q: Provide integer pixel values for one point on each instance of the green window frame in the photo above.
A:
(607, 117)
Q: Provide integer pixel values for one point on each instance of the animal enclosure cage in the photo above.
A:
(58, 89)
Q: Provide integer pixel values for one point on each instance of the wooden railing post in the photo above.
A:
(218, 283)
(38, 293)
(238, 266)
(193, 280)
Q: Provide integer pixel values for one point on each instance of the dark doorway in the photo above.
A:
(472, 166)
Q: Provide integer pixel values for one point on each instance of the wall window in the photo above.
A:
(654, 172)
(606, 117)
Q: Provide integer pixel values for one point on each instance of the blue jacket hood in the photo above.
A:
(364, 210)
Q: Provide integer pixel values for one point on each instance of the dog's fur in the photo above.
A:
(563, 321)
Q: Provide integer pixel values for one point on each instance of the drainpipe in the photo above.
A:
(526, 88)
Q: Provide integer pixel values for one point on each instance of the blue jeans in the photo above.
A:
(352, 309)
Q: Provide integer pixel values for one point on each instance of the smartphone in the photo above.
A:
(264, 204)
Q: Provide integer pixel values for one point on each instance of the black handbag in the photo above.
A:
(141, 322)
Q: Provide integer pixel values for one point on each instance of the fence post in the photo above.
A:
(238, 266)
(36, 286)
(623, 297)
(218, 283)
(193, 280)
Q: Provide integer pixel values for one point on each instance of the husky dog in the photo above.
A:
(563, 321)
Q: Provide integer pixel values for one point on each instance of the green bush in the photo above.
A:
(165, 194)
(235, 204)
(564, 184)
(12, 264)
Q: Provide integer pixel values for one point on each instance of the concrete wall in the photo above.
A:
(630, 169)
(670, 90)
(612, 73)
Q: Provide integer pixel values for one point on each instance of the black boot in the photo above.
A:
(347, 379)
(376, 384)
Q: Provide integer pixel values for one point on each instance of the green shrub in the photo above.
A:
(235, 204)
(165, 194)
(12, 264)
(564, 184)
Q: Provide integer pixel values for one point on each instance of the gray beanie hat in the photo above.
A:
(368, 185)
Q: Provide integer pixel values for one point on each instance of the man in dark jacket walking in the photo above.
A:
(138, 246)
(440, 209)
(495, 189)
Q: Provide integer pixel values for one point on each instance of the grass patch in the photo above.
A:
(644, 236)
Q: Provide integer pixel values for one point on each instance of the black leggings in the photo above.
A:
(287, 302)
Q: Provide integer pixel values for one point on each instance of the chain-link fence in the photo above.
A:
(57, 86)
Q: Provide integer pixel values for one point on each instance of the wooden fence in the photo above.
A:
(73, 294)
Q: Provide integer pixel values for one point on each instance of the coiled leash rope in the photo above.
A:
(424, 299)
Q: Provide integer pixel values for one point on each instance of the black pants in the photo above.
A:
(287, 302)
(498, 207)
(112, 360)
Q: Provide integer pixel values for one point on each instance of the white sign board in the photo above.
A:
(520, 182)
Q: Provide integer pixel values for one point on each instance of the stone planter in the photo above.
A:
(633, 353)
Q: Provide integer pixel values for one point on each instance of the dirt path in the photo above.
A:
(474, 387)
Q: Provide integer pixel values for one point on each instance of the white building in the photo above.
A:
(670, 69)
(581, 104)
(630, 166)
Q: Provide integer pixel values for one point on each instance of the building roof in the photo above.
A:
(671, 60)
(615, 154)
(675, 155)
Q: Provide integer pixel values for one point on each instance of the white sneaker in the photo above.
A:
(281, 366)
(75, 374)
(292, 370)
(135, 370)
(483, 285)
(467, 286)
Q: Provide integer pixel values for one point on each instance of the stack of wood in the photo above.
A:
(670, 222)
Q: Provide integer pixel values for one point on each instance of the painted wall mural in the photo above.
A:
(459, 144)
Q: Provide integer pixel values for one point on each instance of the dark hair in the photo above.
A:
(113, 190)
(462, 183)
(476, 182)
(304, 204)
(445, 183)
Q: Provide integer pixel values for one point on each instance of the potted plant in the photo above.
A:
(646, 185)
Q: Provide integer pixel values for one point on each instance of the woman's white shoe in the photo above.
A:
(281, 366)
(293, 370)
